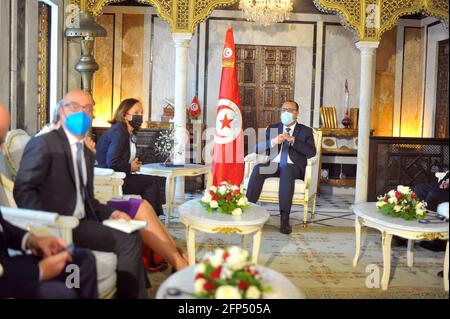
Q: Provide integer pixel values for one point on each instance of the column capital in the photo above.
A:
(367, 46)
(182, 39)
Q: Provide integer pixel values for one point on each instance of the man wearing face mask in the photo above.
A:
(289, 144)
(116, 149)
(56, 175)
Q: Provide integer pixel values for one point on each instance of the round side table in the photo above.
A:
(195, 217)
(183, 283)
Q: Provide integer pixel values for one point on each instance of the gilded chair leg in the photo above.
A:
(313, 211)
(305, 215)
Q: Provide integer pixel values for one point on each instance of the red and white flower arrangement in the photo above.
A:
(402, 202)
(226, 198)
(228, 274)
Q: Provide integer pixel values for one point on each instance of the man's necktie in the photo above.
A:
(285, 151)
(80, 169)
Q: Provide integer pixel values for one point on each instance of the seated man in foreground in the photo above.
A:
(288, 153)
(56, 174)
(41, 275)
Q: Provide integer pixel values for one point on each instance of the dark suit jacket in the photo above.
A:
(46, 178)
(302, 149)
(113, 149)
(15, 267)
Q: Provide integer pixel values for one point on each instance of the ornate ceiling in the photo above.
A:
(182, 15)
(369, 19)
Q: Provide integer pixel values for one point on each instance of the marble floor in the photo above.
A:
(331, 211)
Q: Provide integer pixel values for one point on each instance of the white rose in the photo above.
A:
(237, 258)
(200, 268)
(381, 204)
(222, 190)
(252, 293)
(234, 188)
(217, 258)
(420, 205)
(237, 212)
(403, 189)
(392, 200)
(227, 292)
(420, 211)
(198, 285)
(214, 188)
(214, 204)
(226, 273)
(397, 208)
(207, 198)
(242, 201)
(223, 183)
(391, 193)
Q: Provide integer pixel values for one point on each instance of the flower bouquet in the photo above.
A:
(228, 274)
(226, 198)
(402, 202)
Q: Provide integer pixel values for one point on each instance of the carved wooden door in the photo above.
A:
(441, 120)
(266, 80)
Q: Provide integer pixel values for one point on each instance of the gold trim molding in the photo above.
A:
(431, 236)
(227, 230)
(369, 19)
(182, 15)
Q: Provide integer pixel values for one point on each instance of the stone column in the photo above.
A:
(368, 54)
(182, 42)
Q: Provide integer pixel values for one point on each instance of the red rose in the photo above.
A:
(413, 196)
(225, 255)
(398, 195)
(216, 273)
(243, 285)
(212, 193)
(228, 198)
(209, 286)
(198, 276)
(386, 199)
(236, 192)
(215, 197)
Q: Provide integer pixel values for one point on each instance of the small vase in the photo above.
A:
(346, 121)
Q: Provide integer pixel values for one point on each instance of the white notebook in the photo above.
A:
(123, 225)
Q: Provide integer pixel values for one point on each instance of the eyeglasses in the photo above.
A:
(283, 109)
(75, 107)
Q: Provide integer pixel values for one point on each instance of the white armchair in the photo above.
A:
(305, 190)
(44, 223)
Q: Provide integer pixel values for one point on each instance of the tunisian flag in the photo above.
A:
(228, 160)
(194, 109)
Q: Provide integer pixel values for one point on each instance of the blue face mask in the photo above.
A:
(287, 118)
(78, 123)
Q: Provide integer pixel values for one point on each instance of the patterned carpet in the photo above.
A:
(317, 259)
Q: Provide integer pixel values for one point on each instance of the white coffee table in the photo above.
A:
(367, 214)
(195, 217)
(183, 281)
(171, 173)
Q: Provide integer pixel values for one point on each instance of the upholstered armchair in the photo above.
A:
(305, 190)
(42, 223)
(13, 148)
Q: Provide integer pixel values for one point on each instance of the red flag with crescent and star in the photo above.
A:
(194, 109)
(228, 159)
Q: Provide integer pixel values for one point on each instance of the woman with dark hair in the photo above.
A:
(116, 149)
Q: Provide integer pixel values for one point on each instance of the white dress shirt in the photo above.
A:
(132, 151)
(79, 211)
(274, 142)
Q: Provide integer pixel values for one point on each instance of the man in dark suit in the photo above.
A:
(41, 275)
(56, 174)
(289, 144)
